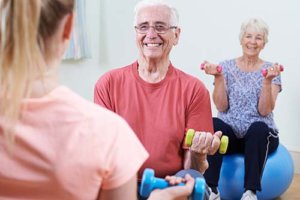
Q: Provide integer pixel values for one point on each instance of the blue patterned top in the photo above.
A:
(243, 90)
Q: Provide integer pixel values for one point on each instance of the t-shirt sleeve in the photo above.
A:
(126, 157)
(277, 81)
(101, 92)
(199, 114)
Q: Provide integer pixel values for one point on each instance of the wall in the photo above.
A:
(209, 32)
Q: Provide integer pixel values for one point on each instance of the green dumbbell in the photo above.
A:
(190, 135)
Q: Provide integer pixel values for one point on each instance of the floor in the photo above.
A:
(293, 193)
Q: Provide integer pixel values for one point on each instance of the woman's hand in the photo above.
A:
(272, 71)
(211, 69)
(174, 192)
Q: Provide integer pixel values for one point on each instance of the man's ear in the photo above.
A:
(68, 27)
(177, 34)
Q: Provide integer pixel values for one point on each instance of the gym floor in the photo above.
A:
(293, 193)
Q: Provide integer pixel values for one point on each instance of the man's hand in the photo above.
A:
(199, 149)
(203, 143)
(215, 143)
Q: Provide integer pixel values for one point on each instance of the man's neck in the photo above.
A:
(152, 71)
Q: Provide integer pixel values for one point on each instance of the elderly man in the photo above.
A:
(159, 101)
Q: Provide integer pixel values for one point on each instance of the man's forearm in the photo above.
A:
(196, 161)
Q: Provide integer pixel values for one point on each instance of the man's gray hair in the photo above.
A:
(174, 16)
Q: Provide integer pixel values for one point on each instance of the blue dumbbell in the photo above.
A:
(150, 182)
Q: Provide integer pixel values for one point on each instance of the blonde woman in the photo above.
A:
(245, 98)
(53, 143)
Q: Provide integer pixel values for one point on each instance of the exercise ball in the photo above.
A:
(277, 176)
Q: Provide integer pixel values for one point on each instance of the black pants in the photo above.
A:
(258, 142)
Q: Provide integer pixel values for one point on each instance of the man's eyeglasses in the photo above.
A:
(159, 28)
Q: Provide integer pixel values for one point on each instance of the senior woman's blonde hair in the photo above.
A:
(257, 25)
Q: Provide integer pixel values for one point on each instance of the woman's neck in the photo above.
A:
(249, 63)
(46, 82)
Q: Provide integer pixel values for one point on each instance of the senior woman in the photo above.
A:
(245, 100)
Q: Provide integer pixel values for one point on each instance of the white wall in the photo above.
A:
(209, 32)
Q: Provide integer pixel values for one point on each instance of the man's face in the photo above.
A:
(153, 45)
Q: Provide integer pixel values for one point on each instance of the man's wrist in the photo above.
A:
(199, 161)
(198, 156)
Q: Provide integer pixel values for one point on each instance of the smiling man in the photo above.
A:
(159, 101)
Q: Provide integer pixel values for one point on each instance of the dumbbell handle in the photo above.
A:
(190, 135)
(150, 182)
(265, 71)
(219, 68)
(160, 183)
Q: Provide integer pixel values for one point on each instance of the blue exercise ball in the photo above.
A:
(277, 176)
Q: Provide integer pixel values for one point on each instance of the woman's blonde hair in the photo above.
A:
(24, 29)
(257, 25)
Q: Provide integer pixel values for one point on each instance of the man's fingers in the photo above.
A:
(218, 133)
(201, 142)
